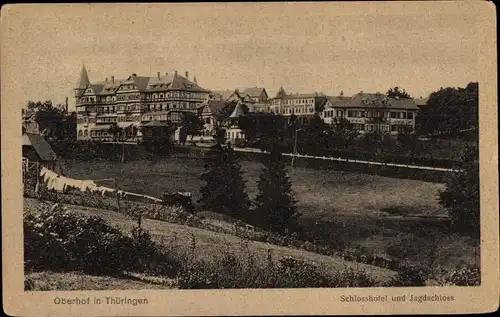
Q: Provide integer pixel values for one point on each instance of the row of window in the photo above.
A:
(234, 135)
(149, 107)
(376, 127)
(301, 110)
(331, 113)
(380, 114)
(155, 96)
(293, 101)
(104, 133)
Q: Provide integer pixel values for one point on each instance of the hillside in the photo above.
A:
(208, 243)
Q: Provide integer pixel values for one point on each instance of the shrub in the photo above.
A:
(466, 276)
(57, 239)
(60, 240)
(461, 196)
(410, 275)
(229, 270)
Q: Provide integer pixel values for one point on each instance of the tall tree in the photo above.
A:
(397, 92)
(461, 196)
(54, 121)
(315, 135)
(116, 131)
(224, 188)
(343, 132)
(451, 111)
(192, 124)
(408, 139)
(275, 199)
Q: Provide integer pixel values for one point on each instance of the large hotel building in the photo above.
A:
(132, 102)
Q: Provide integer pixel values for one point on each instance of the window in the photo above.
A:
(80, 133)
(394, 115)
(410, 115)
(86, 133)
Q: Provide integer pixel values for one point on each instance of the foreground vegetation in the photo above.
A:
(62, 240)
(177, 257)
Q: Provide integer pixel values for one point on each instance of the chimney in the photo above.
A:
(113, 79)
(341, 92)
(158, 74)
(166, 74)
(175, 74)
(187, 75)
(134, 74)
(106, 80)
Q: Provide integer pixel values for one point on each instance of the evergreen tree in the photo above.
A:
(461, 196)
(224, 188)
(275, 202)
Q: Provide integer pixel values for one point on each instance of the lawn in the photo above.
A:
(319, 192)
(341, 209)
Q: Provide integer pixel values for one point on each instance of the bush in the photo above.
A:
(466, 276)
(57, 239)
(60, 240)
(461, 196)
(229, 270)
(410, 275)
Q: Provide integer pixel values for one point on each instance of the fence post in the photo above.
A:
(117, 194)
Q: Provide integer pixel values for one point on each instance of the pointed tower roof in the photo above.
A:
(194, 80)
(238, 110)
(83, 80)
(281, 93)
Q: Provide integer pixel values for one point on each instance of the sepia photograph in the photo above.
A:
(250, 146)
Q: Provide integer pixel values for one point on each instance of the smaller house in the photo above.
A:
(36, 149)
(256, 94)
(156, 130)
(233, 132)
(212, 114)
(334, 108)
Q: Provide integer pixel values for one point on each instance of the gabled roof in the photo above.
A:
(281, 93)
(41, 147)
(223, 94)
(141, 82)
(253, 92)
(96, 88)
(337, 100)
(172, 82)
(83, 80)
(109, 87)
(215, 107)
(238, 111)
(371, 100)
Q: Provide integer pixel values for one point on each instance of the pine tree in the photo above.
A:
(275, 200)
(224, 188)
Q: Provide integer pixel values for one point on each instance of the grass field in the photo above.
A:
(76, 281)
(338, 208)
(319, 192)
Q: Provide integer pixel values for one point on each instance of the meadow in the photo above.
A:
(362, 212)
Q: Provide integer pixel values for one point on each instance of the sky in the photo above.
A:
(322, 47)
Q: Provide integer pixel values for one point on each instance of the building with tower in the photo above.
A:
(133, 101)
